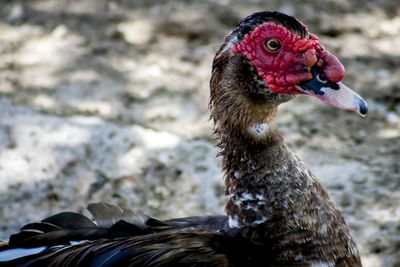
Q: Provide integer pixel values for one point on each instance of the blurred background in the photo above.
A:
(106, 100)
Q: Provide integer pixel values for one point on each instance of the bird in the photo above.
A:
(277, 212)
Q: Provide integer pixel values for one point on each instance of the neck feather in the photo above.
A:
(272, 195)
(264, 180)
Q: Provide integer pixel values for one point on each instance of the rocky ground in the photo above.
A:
(107, 101)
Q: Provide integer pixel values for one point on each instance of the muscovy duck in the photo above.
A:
(277, 213)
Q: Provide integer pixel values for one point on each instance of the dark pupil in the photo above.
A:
(273, 45)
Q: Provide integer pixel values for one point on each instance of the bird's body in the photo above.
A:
(277, 212)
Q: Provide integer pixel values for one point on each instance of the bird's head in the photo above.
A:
(269, 58)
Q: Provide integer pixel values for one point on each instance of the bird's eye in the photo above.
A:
(273, 45)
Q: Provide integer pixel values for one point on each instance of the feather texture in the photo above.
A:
(278, 214)
(200, 248)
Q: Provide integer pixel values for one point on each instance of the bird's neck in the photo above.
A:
(262, 178)
(268, 186)
(272, 196)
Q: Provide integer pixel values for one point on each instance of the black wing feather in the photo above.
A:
(124, 237)
(160, 249)
(64, 227)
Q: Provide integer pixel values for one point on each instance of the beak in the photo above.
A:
(335, 94)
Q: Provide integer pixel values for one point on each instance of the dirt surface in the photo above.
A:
(107, 101)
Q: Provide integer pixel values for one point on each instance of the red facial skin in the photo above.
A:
(284, 69)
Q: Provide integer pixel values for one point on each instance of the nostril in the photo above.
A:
(322, 77)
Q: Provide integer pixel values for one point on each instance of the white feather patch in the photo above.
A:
(233, 222)
(260, 221)
(259, 130)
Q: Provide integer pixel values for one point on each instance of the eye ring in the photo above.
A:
(273, 45)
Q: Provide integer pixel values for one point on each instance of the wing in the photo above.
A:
(160, 249)
(61, 231)
(108, 222)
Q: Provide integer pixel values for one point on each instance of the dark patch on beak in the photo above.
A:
(335, 94)
(318, 82)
